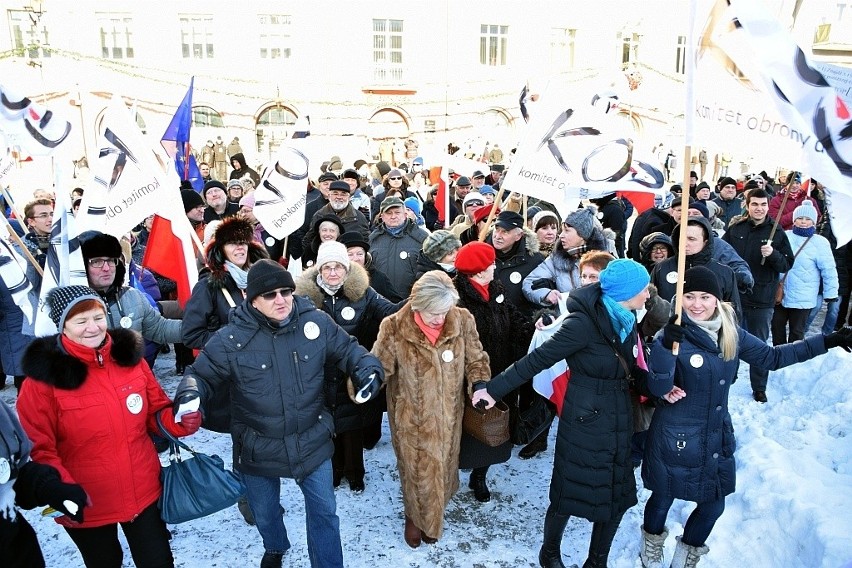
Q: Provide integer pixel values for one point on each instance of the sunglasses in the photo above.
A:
(395, 178)
(475, 203)
(269, 296)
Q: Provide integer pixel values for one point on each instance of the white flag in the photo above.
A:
(281, 197)
(30, 125)
(128, 184)
(13, 271)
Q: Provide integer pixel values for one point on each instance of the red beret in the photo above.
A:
(482, 213)
(474, 257)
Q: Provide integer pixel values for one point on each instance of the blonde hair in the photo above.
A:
(729, 335)
(434, 292)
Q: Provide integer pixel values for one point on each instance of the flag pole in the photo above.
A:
(777, 221)
(497, 200)
(24, 249)
(18, 215)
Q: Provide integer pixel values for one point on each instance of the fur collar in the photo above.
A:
(354, 287)
(46, 361)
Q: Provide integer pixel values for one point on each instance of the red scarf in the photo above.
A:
(481, 288)
(431, 334)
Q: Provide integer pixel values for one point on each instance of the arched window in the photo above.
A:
(205, 116)
(274, 125)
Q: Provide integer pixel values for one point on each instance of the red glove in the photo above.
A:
(191, 422)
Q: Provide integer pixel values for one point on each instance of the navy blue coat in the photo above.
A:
(690, 449)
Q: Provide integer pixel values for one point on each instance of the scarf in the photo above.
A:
(804, 232)
(481, 288)
(328, 288)
(447, 267)
(430, 333)
(622, 319)
(395, 230)
(239, 275)
(711, 327)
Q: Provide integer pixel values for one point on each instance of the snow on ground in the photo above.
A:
(792, 508)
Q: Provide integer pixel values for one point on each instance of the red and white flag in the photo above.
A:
(170, 251)
(552, 383)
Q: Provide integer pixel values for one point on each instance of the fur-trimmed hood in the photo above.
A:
(46, 360)
(354, 287)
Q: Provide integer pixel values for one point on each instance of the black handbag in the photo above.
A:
(530, 423)
(196, 486)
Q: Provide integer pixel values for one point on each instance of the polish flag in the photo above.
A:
(552, 383)
(170, 251)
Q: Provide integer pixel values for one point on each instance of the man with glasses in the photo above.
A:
(38, 215)
(218, 206)
(472, 202)
(272, 356)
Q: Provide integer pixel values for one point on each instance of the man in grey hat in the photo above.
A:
(272, 356)
(395, 244)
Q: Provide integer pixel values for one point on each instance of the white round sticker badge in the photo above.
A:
(671, 277)
(447, 356)
(311, 330)
(600, 214)
(403, 255)
(348, 313)
(134, 403)
(499, 299)
(635, 351)
(270, 241)
(125, 322)
(696, 360)
(515, 278)
(5, 471)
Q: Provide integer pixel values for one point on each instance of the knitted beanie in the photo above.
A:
(439, 244)
(583, 221)
(701, 279)
(214, 183)
(191, 199)
(266, 275)
(474, 257)
(332, 251)
(806, 209)
(623, 278)
(61, 299)
(248, 200)
(544, 217)
(414, 204)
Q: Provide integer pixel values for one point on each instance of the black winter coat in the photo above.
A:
(359, 310)
(280, 425)
(592, 472)
(513, 266)
(747, 238)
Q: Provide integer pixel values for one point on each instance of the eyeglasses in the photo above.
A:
(99, 262)
(333, 268)
(270, 296)
(42, 216)
(395, 178)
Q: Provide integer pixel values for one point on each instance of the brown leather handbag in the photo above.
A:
(491, 427)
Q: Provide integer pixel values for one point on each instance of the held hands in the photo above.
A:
(674, 395)
(553, 297)
(841, 338)
(672, 333)
(481, 396)
(368, 382)
(191, 422)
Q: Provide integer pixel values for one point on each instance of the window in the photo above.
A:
(196, 37)
(28, 33)
(562, 49)
(628, 49)
(206, 116)
(116, 36)
(274, 36)
(387, 51)
(493, 44)
(680, 55)
(274, 126)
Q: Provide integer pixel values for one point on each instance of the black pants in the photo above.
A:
(348, 458)
(146, 535)
(18, 544)
(797, 318)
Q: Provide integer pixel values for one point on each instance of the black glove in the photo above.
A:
(367, 381)
(187, 391)
(841, 338)
(49, 488)
(672, 333)
(479, 385)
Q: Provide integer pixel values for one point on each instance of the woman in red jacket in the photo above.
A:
(88, 405)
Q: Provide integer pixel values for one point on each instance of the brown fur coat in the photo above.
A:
(425, 395)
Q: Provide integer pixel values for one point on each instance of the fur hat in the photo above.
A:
(806, 209)
(439, 244)
(623, 278)
(332, 251)
(95, 244)
(191, 199)
(583, 221)
(233, 230)
(266, 275)
(214, 183)
(61, 299)
(701, 279)
(474, 257)
(354, 239)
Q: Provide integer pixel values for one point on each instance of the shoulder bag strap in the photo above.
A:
(228, 297)
(794, 259)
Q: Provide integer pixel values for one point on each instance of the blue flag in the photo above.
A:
(176, 141)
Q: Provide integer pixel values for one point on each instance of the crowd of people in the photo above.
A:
(406, 307)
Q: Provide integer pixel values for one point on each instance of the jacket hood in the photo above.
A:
(354, 287)
(47, 361)
(241, 160)
(708, 233)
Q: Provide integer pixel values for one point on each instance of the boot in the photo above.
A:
(596, 561)
(538, 445)
(412, 534)
(652, 548)
(271, 560)
(550, 555)
(477, 483)
(686, 556)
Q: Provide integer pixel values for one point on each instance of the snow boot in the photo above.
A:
(271, 560)
(477, 483)
(550, 555)
(686, 556)
(596, 560)
(652, 548)
(538, 445)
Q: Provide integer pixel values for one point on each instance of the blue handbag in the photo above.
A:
(196, 486)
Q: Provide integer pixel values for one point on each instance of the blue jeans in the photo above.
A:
(832, 312)
(321, 521)
(757, 321)
(698, 526)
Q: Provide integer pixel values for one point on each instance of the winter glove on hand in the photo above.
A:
(841, 338)
(67, 498)
(186, 392)
(672, 333)
(368, 381)
(191, 422)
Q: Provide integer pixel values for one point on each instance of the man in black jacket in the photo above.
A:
(272, 357)
(767, 258)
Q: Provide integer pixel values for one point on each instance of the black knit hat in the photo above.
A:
(191, 199)
(214, 183)
(266, 275)
(354, 239)
(61, 299)
(701, 279)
